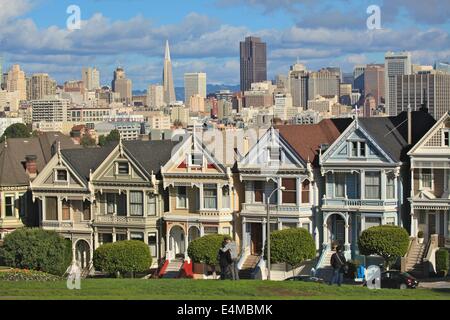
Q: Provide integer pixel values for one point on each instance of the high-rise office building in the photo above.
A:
(374, 82)
(431, 89)
(324, 83)
(17, 82)
(91, 78)
(40, 86)
(253, 59)
(155, 96)
(194, 85)
(442, 67)
(169, 89)
(358, 78)
(298, 85)
(395, 64)
(122, 85)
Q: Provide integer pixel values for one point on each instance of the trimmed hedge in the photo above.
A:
(206, 248)
(291, 246)
(442, 262)
(27, 275)
(123, 257)
(37, 249)
(389, 242)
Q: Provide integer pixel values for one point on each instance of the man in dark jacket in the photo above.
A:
(338, 263)
(225, 262)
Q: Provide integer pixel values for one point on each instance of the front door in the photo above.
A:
(431, 224)
(340, 231)
(256, 238)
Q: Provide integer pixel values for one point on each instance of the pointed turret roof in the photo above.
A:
(167, 52)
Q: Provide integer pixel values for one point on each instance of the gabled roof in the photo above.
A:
(150, 155)
(430, 132)
(15, 150)
(391, 133)
(307, 139)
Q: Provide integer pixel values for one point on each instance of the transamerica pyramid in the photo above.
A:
(169, 90)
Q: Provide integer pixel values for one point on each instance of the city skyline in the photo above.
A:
(134, 38)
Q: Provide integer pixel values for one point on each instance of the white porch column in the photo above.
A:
(168, 244)
(219, 204)
(299, 191)
(59, 205)
(347, 236)
(362, 185)
(16, 210)
(244, 235)
(279, 192)
(265, 224)
(95, 238)
(413, 223)
(186, 243)
(325, 234)
(128, 202)
(201, 204)
(383, 184)
(280, 225)
(114, 236)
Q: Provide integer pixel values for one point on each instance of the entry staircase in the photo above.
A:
(414, 259)
(323, 267)
(173, 269)
(248, 267)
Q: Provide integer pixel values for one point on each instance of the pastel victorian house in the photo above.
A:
(201, 196)
(21, 160)
(367, 177)
(94, 196)
(430, 184)
(282, 165)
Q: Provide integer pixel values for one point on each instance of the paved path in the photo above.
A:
(435, 285)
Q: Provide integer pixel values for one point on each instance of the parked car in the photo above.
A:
(305, 279)
(395, 279)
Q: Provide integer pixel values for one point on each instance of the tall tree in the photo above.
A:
(16, 130)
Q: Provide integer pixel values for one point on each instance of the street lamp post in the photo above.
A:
(268, 228)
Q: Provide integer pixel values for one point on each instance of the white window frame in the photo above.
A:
(421, 186)
(56, 175)
(178, 206)
(13, 209)
(335, 185)
(117, 168)
(444, 131)
(191, 159)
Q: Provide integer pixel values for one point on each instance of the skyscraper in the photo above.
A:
(253, 58)
(17, 82)
(169, 89)
(122, 85)
(374, 82)
(429, 88)
(324, 83)
(298, 85)
(155, 96)
(40, 86)
(358, 78)
(194, 84)
(91, 78)
(395, 64)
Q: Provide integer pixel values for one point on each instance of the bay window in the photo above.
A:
(289, 194)
(51, 208)
(372, 182)
(258, 187)
(181, 197)
(136, 203)
(151, 205)
(210, 196)
(305, 191)
(226, 197)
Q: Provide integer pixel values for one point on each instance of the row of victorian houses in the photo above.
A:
(339, 177)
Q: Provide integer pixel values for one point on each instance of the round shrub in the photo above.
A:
(389, 242)
(291, 246)
(205, 249)
(37, 249)
(442, 262)
(123, 257)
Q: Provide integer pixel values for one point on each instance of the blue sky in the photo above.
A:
(204, 35)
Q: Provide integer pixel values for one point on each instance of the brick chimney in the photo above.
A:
(31, 165)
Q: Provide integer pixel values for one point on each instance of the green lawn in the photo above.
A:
(181, 289)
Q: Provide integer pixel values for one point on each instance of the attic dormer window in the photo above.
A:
(61, 175)
(197, 159)
(446, 138)
(123, 168)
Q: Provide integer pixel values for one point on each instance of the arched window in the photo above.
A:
(305, 191)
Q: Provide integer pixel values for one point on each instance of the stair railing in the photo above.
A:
(323, 255)
(404, 259)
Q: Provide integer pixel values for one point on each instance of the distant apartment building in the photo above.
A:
(91, 78)
(374, 82)
(395, 64)
(52, 110)
(196, 103)
(431, 89)
(155, 96)
(40, 86)
(260, 95)
(324, 83)
(194, 85)
(298, 85)
(127, 130)
(322, 104)
(253, 62)
(16, 81)
(122, 85)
